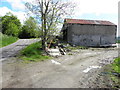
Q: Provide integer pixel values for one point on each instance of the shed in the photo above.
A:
(89, 32)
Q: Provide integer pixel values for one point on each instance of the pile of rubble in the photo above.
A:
(55, 48)
(58, 51)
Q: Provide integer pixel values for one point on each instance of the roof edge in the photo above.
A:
(85, 21)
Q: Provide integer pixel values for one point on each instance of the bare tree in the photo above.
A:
(49, 13)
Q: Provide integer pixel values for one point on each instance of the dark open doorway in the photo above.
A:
(65, 34)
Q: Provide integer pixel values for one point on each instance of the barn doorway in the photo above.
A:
(65, 34)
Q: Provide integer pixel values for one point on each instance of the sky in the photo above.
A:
(85, 9)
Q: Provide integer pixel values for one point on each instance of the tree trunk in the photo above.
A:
(44, 40)
(43, 44)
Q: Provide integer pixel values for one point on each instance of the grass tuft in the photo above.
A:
(33, 52)
(116, 65)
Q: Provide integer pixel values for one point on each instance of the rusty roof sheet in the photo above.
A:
(81, 21)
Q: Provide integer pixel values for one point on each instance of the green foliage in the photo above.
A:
(29, 28)
(7, 21)
(116, 65)
(33, 53)
(6, 40)
(118, 41)
(12, 30)
(11, 26)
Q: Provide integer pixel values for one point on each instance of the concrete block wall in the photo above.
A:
(92, 40)
(91, 35)
(93, 29)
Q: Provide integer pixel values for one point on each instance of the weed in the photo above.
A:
(70, 54)
(77, 47)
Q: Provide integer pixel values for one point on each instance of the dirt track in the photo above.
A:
(80, 70)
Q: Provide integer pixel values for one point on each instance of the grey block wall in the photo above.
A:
(91, 35)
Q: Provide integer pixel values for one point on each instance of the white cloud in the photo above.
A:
(21, 15)
(4, 10)
(18, 9)
(96, 6)
(83, 6)
(17, 4)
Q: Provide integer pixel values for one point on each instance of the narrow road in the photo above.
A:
(13, 49)
(80, 70)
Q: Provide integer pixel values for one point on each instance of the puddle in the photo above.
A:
(55, 62)
(111, 73)
(91, 67)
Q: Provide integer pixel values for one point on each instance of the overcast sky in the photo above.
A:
(85, 9)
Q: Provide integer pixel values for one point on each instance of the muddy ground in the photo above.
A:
(79, 69)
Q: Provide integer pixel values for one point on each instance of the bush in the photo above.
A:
(11, 25)
(12, 30)
(29, 29)
(26, 33)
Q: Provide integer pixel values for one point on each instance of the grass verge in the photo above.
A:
(116, 72)
(6, 40)
(111, 72)
(33, 53)
(116, 65)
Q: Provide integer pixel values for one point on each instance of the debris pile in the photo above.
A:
(56, 49)
(54, 52)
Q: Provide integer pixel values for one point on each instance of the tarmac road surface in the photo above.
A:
(13, 49)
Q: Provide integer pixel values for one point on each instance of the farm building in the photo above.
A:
(89, 32)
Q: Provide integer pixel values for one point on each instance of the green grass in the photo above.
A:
(116, 69)
(76, 47)
(112, 71)
(118, 41)
(33, 53)
(6, 40)
(116, 65)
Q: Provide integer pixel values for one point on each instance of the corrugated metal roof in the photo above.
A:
(81, 21)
